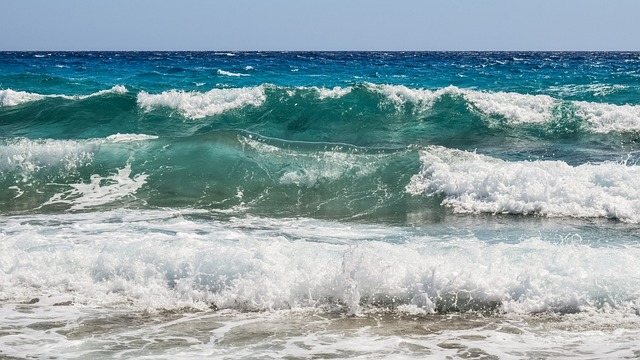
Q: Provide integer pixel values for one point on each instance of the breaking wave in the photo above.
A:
(196, 105)
(473, 183)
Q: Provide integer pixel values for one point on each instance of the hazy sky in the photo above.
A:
(320, 25)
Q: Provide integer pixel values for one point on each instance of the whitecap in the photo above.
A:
(196, 105)
(336, 92)
(228, 73)
(10, 97)
(28, 156)
(473, 183)
(605, 118)
(517, 109)
(514, 107)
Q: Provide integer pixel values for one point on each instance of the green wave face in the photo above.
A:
(225, 170)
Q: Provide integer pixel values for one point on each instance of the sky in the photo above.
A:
(424, 25)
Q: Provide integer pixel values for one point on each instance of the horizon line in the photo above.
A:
(330, 51)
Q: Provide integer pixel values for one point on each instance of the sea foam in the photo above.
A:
(333, 93)
(145, 260)
(117, 138)
(606, 118)
(100, 190)
(10, 97)
(28, 156)
(473, 183)
(514, 107)
(195, 105)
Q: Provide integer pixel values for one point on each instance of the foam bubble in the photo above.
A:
(196, 105)
(472, 183)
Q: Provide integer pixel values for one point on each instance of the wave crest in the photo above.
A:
(518, 108)
(195, 105)
(10, 97)
(232, 74)
(472, 183)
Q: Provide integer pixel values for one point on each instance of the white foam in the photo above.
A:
(151, 260)
(516, 108)
(100, 190)
(605, 118)
(399, 95)
(104, 268)
(196, 105)
(228, 73)
(116, 138)
(116, 89)
(472, 183)
(336, 92)
(10, 97)
(28, 156)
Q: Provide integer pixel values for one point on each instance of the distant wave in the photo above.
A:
(228, 73)
(10, 97)
(519, 108)
(496, 109)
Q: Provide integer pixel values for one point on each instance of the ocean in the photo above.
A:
(319, 205)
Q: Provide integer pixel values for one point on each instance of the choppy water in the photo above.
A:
(319, 205)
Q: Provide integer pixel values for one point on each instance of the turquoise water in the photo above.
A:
(471, 192)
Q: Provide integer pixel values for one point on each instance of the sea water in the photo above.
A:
(319, 205)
